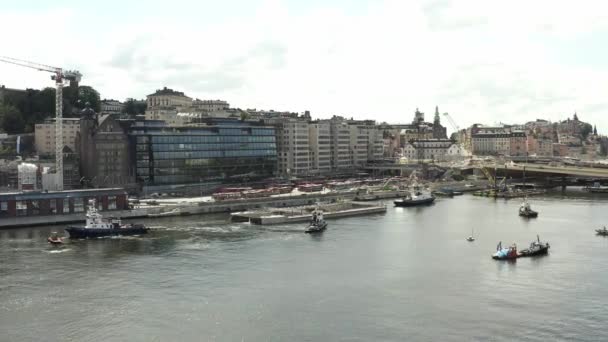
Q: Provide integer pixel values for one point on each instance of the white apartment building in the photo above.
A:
(365, 143)
(433, 149)
(111, 106)
(293, 148)
(319, 136)
(44, 135)
(340, 145)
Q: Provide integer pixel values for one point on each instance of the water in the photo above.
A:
(408, 274)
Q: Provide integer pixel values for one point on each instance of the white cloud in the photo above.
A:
(481, 61)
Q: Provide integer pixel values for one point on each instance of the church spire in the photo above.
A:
(437, 118)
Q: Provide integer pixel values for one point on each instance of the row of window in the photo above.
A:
(174, 179)
(214, 154)
(181, 139)
(204, 147)
(34, 206)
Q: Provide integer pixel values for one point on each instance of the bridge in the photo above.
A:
(537, 170)
(550, 171)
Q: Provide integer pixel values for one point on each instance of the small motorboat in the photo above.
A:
(317, 224)
(54, 239)
(505, 253)
(526, 211)
(602, 231)
(536, 248)
(471, 238)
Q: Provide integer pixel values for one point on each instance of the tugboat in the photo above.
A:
(536, 248)
(505, 253)
(97, 226)
(416, 198)
(602, 231)
(54, 239)
(526, 211)
(317, 224)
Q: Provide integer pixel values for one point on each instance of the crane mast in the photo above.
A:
(59, 76)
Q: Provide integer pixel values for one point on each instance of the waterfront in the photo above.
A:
(407, 274)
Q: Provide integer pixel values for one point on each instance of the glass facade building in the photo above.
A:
(220, 150)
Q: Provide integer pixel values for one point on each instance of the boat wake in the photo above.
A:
(57, 251)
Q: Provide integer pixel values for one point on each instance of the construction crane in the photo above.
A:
(59, 76)
(452, 122)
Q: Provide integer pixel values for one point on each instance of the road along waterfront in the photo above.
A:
(407, 274)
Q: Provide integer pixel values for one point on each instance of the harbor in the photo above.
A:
(234, 280)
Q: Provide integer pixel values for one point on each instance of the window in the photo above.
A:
(53, 206)
(3, 208)
(21, 208)
(79, 205)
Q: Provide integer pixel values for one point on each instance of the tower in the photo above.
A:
(437, 120)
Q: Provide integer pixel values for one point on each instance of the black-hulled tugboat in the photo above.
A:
(526, 211)
(505, 253)
(602, 231)
(54, 239)
(536, 248)
(317, 224)
(415, 198)
(97, 226)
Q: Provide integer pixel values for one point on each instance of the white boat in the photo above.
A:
(471, 238)
(525, 210)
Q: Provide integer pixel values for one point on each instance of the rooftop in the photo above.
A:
(167, 91)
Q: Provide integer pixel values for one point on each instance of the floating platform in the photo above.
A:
(304, 213)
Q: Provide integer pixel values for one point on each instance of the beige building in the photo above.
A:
(319, 136)
(293, 147)
(210, 105)
(45, 135)
(491, 143)
(168, 98)
(165, 103)
(340, 145)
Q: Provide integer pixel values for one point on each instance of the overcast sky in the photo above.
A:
(481, 61)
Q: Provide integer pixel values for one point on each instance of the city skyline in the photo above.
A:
(481, 63)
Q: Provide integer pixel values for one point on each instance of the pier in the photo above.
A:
(304, 213)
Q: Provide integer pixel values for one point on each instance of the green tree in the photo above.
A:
(594, 130)
(87, 94)
(129, 107)
(586, 130)
(11, 120)
(135, 107)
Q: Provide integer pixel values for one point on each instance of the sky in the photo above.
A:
(482, 61)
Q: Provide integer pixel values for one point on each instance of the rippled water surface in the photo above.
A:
(408, 274)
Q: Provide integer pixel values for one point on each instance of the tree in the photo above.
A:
(585, 130)
(11, 120)
(135, 107)
(88, 95)
(604, 147)
(594, 130)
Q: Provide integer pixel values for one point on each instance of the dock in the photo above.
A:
(304, 213)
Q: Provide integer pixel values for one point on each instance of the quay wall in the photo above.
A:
(185, 209)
